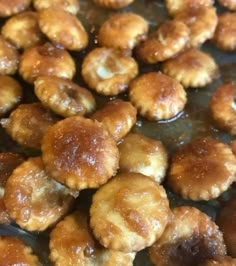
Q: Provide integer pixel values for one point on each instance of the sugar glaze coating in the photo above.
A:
(129, 213)
(226, 221)
(134, 29)
(23, 30)
(72, 238)
(118, 117)
(157, 96)
(189, 238)
(33, 199)
(80, 153)
(114, 4)
(108, 71)
(63, 96)
(168, 40)
(222, 107)
(23, 121)
(202, 169)
(140, 154)
(15, 252)
(51, 61)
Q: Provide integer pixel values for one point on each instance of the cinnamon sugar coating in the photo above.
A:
(225, 34)
(226, 221)
(157, 96)
(176, 6)
(51, 61)
(202, 22)
(223, 107)
(10, 94)
(134, 29)
(140, 154)
(115, 4)
(9, 58)
(33, 199)
(71, 6)
(80, 153)
(192, 68)
(230, 4)
(202, 169)
(72, 238)
(22, 30)
(108, 71)
(117, 116)
(129, 213)
(189, 239)
(8, 162)
(28, 123)
(11, 7)
(54, 22)
(15, 252)
(63, 96)
(168, 40)
(220, 261)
